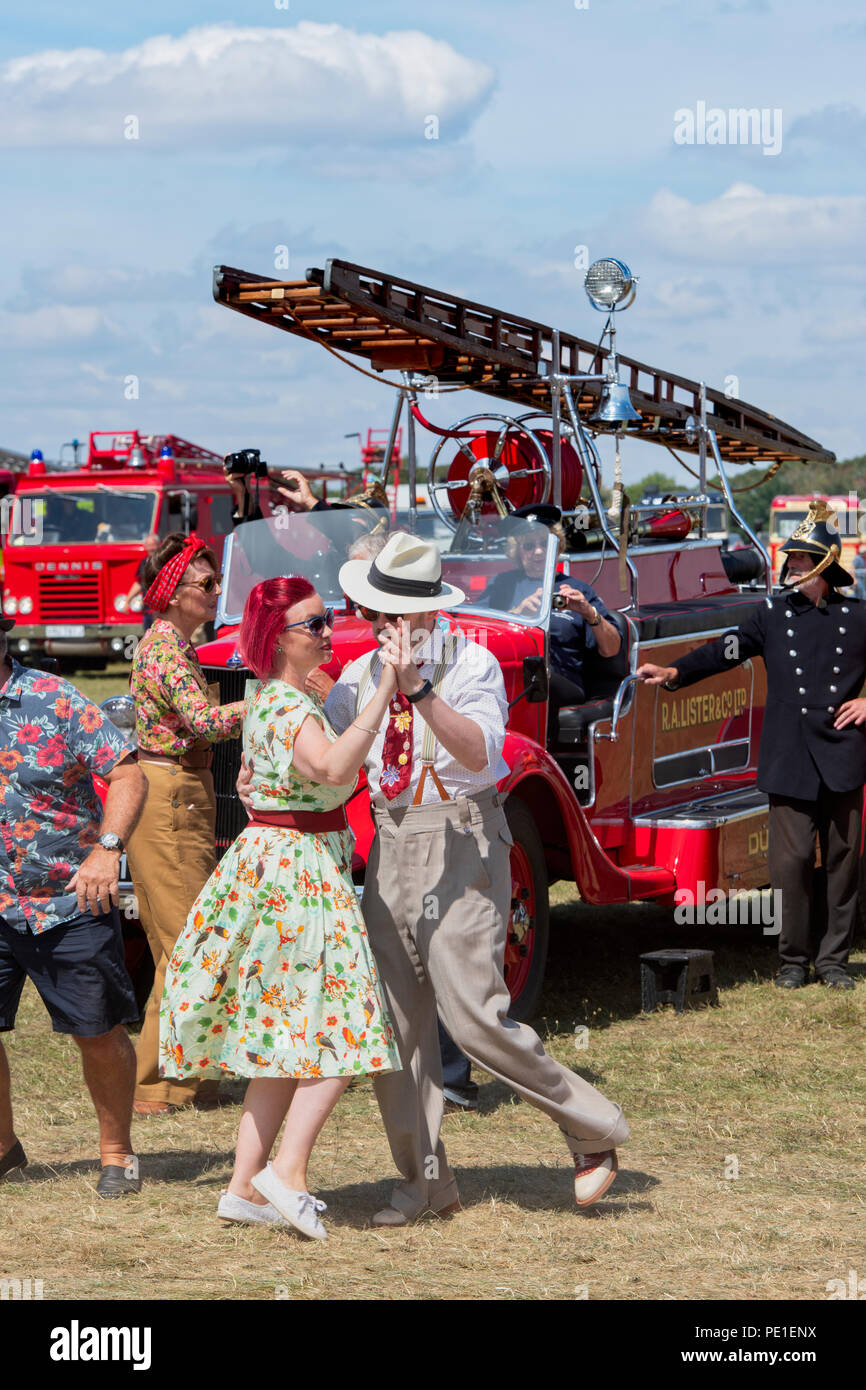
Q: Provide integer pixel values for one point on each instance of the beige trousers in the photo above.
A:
(171, 857)
(437, 899)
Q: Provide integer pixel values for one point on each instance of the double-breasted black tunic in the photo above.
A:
(816, 660)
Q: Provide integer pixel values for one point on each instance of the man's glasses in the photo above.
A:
(370, 615)
(207, 583)
(315, 625)
(528, 546)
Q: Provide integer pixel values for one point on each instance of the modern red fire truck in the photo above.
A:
(72, 556)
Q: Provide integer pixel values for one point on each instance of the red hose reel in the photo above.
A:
(518, 457)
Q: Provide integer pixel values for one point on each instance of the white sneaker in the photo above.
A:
(299, 1208)
(238, 1209)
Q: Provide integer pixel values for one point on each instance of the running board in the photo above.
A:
(709, 814)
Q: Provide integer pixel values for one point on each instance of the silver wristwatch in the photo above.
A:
(111, 841)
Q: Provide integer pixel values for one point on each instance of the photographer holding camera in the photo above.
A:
(287, 488)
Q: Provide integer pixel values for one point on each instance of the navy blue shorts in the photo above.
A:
(78, 969)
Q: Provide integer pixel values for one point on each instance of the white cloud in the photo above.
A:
(746, 224)
(60, 324)
(225, 86)
(687, 297)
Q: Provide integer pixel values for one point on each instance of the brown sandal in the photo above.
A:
(153, 1107)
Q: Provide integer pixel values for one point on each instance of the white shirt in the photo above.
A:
(472, 685)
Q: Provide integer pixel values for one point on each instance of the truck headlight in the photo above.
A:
(10, 605)
(25, 605)
(121, 603)
(136, 604)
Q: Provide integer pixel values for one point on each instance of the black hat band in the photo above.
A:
(408, 588)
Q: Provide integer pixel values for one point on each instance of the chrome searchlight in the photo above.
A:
(609, 285)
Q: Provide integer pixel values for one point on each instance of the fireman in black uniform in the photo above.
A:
(812, 759)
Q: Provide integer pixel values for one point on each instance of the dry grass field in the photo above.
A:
(743, 1178)
(767, 1085)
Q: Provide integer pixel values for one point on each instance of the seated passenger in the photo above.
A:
(581, 625)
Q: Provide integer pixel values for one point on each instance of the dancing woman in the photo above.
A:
(274, 978)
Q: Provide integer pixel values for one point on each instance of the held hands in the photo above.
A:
(657, 675)
(851, 712)
(388, 682)
(397, 654)
(95, 883)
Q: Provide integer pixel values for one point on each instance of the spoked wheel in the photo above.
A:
(500, 444)
(528, 933)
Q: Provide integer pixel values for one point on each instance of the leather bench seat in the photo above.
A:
(574, 720)
(698, 615)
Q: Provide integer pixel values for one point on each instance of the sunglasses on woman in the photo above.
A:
(207, 583)
(315, 625)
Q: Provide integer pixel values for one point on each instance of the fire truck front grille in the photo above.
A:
(230, 814)
(69, 598)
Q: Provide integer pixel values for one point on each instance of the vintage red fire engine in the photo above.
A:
(644, 792)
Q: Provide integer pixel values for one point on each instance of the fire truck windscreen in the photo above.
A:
(784, 524)
(96, 516)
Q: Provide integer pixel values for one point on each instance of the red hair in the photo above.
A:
(265, 617)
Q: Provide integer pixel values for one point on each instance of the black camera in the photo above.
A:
(247, 462)
(559, 601)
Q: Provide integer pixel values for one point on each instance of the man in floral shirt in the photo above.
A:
(59, 863)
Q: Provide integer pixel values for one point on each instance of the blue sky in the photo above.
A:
(304, 126)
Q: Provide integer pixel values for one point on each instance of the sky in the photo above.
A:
(143, 144)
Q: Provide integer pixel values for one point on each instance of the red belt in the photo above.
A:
(314, 821)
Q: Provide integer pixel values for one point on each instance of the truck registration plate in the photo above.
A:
(65, 630)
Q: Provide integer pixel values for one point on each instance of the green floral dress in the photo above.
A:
(273, 974)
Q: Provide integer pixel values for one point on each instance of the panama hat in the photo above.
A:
(405, 577)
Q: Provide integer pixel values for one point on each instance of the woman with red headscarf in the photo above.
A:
(274, 978)
(171, 854)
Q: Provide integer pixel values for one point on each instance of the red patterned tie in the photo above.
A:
(397, 748)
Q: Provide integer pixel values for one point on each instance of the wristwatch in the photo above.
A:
(597, 617)
(425, 689)
(111, 841)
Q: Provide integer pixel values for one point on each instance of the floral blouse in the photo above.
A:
(172, 710)
(52, 741)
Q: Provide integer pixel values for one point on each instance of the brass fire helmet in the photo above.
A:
(817, 536)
